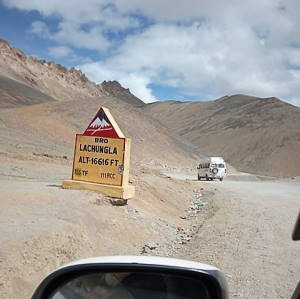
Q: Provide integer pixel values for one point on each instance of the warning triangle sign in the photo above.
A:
(104, 125)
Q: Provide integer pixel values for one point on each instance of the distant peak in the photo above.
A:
(113, 84)
(114, 88)
(244, 98)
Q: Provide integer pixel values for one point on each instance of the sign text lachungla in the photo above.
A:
(99, 160)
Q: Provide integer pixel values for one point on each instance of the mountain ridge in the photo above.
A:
(49, 127)
(259, 135)
(56, 80)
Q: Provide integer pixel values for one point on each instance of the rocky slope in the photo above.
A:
(48, 104)
(254, 134)
(115, 89)
(47, 77)
(14, 94)
(42, 107)
(56, 80)
(260, 135)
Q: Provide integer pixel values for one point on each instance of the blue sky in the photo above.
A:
(167, 49)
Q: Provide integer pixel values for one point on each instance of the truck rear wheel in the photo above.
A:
(199, 177)
(221, 179)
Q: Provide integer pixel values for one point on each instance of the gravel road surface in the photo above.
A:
(249, 237)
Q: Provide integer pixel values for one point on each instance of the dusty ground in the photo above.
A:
(44, 226)
(242, 225)
(249, 236)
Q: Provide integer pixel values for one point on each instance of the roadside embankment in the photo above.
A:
(44, 226)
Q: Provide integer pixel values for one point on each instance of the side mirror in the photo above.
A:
(296, 232)
(133, 277)
(296, 237)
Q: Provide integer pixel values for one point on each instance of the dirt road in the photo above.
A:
(242, 225)
(43, 226)
(249, 237)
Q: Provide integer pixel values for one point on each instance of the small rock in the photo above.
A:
(118, 201)
(150, 246)
(182, 217)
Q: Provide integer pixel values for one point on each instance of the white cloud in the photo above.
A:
(40, 28)
(138, 85)
(61, 52)
(73, 35)
(136, 82)
(67, 54)
(207, 49)
(204, 60)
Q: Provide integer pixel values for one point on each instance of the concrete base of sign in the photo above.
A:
(124, 192)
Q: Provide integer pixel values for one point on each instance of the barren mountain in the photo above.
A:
(14, 94)
(254, 134)
(115, 89)
(47, 77)
(43, 105)
(49, 104)
(56, 80)
(260, 135)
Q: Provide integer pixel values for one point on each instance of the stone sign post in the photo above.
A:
(101, 158)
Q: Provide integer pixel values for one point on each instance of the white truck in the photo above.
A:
(212, 168)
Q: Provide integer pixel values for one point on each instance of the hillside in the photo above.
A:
(50, 128)
(115, 89)
(55, 80)
(253, 134)
(48, 77)
(43, 226)
(43, 105)
(15, 94)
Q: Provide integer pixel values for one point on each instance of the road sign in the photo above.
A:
(99, 160)
(103, 125)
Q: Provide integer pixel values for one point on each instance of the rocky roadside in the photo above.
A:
(199, 210)
(45, 226)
